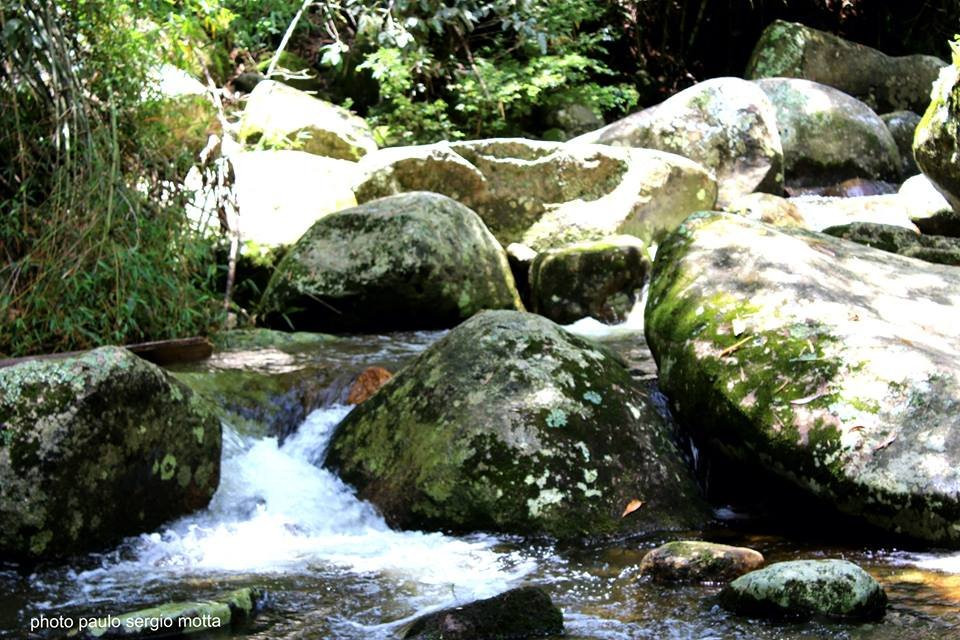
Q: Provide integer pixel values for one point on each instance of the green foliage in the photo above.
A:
(473, 68)
(94, 244)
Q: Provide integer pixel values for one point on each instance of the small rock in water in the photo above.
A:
(178, 619)
(806, 588)
(521, 613)
(367, 384)
(697, 561)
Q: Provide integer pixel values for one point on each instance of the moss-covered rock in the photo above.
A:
(936, 145)
(280, 116)
(415, 260)
(698, 561)
(938, 249)
(928, 209)
(526, 612)
(509, 423)
(177, 619)
(728, 125)
(829, 136)
(902, 126)
(601, 279)
(789, 49)
(802, 589)
(766, 207)
(96, 447)
(827, 363)
(547, 194)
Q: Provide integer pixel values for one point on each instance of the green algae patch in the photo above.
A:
(511, 424)
(100, 433)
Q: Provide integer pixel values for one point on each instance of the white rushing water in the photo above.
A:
(278, 512)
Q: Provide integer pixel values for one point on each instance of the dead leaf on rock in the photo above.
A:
(632, 506)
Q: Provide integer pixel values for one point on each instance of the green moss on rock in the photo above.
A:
(936, 145)
(803, 589)
(415, 260)
(600, 279)
(511, 424)
(96, 447)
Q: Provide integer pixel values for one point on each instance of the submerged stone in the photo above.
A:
(526, 612)
(177, 619)
(827, 363)
(804, 589)
(96, 447)
(412, 261)
(698, 561)
(511, 424)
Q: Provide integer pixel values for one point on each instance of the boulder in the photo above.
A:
(802, 589)
(902, 126)
(511, 424)
(821, 212)
(936, 145)
(789, 49)
(938, 249)
(178, 619)
(829, 136)
(95, 447)
(728, 125)
(601, 279)
(765, 207)
(697, 561)
(821, 361)
(548, 194)
(416, 260)
(573, 119)
(280, 116)
(526, 612)
(928, 209)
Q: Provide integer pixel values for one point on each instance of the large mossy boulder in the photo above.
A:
(511, 424)
(601, 280)
(936, 145)
(790, 49)
(96, 447)
(548, 194)
(518, 614)
(412, 261)
(938, 249)
(803, 589)
(827, 363)
(728, 125)
(829, 136)
(283, 117)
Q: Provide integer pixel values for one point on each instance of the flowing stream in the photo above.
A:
(334, 569)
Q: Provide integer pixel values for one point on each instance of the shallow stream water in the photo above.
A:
(334, 569)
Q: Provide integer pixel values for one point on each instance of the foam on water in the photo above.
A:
(633, 324)
(278, 511)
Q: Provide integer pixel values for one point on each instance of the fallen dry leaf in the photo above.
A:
(632, 506)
